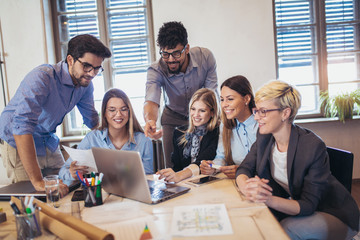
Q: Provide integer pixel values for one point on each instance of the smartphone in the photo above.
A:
(78, 196)
(203, 180)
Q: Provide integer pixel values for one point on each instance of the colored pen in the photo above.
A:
(92, 181)
(26, 201)
(15, 208)
(87, 182)
(101, 175)
(29, 211)
(30, 204)
(22, 201)
(80, 178)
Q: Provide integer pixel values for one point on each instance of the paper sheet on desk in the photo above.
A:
(83, 157)
(201, 220)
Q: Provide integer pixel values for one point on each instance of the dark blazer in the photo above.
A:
(308, 171)
(208, 146)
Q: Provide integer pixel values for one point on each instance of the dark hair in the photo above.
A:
(171, 34)
(241, 85)
(132, 125)
(81, 44)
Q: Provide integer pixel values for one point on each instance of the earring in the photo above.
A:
(245, 104)
(283, 120)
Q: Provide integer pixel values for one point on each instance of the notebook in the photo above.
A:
(25, 188)
(124, 175)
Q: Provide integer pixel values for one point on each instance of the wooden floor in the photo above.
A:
(355, 191)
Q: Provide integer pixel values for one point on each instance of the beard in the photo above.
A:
(82, 81)
(176, 71)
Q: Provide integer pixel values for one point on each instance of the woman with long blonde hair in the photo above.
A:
(195, 142)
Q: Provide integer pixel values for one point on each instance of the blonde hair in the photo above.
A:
(208, 97)
(284, 95)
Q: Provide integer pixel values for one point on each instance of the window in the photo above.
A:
(318, 47)
(124, 26)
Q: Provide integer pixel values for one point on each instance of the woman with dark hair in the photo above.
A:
(238, 128)
(195, 142)
(119, 130)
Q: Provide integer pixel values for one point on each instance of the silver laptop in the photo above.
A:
(124, 175)
(25, 188)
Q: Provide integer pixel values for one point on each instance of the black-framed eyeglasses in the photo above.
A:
(87, 67)
(175, 54)
(262, 112)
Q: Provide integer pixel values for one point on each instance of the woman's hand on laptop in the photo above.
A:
(73, 168)
(169, 175)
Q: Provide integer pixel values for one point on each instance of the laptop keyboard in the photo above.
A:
(159, 193)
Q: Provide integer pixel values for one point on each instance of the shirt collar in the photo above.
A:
(105, 138)
(65, 75)
(250, 121)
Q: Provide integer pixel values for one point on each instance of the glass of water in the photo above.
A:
(52, 190)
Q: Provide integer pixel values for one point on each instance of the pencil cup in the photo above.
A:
(92, 195)
(28, 225)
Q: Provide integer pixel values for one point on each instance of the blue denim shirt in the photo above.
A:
(40, 104)
(243, 136)
(100, 138)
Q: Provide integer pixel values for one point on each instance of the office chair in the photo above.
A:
(341, 166)
(158, 155)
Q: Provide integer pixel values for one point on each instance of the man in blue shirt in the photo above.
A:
(180, 72)
(29, 146)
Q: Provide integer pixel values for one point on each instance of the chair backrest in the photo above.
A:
(158, 155)
(341, 166)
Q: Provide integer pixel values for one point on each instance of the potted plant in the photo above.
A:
(342, 105)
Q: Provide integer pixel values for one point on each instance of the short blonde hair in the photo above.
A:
(284, 94)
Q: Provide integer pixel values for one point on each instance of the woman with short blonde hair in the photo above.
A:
(288, 170)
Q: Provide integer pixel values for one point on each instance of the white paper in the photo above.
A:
(83, 158)
(201, 220)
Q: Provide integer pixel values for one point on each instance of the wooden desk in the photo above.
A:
(126, 218)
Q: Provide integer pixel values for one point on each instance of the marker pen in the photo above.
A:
(15, 208)
(215, 166)
(101, 175)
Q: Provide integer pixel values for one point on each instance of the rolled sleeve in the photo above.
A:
(153, 86)
(211, 80)
(195, 170)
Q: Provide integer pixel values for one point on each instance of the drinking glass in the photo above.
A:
(52, 190)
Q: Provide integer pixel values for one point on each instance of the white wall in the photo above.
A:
(23, 45)
(238, 32)
(23, 36)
